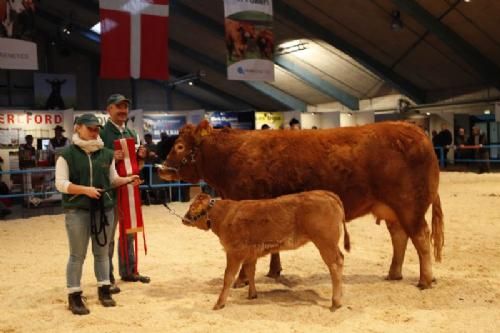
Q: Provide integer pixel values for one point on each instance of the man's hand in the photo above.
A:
(119, 155)
(136, 180)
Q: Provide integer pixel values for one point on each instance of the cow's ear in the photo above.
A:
(202, 130)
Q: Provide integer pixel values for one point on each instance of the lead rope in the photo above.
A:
(97, 206)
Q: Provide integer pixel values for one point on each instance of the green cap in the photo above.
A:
(117, 98)
(88, 119)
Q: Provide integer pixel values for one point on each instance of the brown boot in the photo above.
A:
(105, 296)
(76, 304)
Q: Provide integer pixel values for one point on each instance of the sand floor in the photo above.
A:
(186, 267)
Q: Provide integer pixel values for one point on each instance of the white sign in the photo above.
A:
(18, 54)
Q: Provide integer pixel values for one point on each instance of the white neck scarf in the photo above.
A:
(88, 146)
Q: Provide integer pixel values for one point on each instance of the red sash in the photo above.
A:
(129, 199)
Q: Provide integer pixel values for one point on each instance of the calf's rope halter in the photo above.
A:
(195, 218)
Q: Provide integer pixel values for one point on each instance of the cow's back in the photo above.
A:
(384, 163)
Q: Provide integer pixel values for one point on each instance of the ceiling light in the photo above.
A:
(396, 23)
(487, 111)
(190, 83)
(291, 46)
(428, 113)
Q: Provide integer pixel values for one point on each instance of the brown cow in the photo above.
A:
(250, 229)
(265, 42)
(388, 169)
(237, 35)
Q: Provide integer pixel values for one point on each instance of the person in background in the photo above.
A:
(115, 128)
(314, 127)
(265, 127)
(83, 172)
(480, 153)
(59, 141)
(148, 173)
(460, 142)
(294, 124)
(445, 139)
(27, 153)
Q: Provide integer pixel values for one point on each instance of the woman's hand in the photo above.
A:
(92, 192)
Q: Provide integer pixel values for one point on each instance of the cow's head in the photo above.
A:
(181, 162)
(247, 31)
(197, 214)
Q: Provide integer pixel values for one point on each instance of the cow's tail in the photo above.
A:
(437, 235)
(347, 239)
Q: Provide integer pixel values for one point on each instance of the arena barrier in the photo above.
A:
(490, 154)
(40, 183)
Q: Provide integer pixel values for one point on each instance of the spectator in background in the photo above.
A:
(163, 147)
(151, 159)
(314, 127)
(27, 153)
(59, 141)
(265, 127)
(445, 139)
(294, 124)
(460, 142)
(478, 140)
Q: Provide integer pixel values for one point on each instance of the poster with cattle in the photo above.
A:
(17, 28)
(54, 91)
(238, 120)
(249, 39)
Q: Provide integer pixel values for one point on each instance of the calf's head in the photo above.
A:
(197, 214)
(181, 161)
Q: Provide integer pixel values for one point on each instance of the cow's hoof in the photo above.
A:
(240, 283)
(274, 274)
(394, 277)
(335, 307)
(218, 306)
(423, 286)
(252, 296)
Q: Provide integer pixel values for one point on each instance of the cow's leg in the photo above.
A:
(422, 242)
(274, 266)
(242, 279)
(233, 263)
(249, 268)
(399, 242)
(334, 259)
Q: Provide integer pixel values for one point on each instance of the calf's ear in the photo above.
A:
(203, 129)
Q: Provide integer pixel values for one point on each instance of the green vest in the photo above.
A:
(88, 170)
(110, 133)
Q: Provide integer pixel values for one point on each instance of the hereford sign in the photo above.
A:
(33, 119)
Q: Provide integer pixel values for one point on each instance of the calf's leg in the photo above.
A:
(399, 240)
(233, 263)
(334, 260)
(249, 268)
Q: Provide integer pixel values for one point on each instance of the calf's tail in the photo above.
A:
(437, 235)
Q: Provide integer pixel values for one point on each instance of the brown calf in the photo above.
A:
(250, 229)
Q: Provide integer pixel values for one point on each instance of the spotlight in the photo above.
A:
(428, 113)
(396, 23)
(190, 83)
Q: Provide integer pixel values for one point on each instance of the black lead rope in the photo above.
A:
(97, 206)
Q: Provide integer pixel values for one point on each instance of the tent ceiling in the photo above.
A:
(350, 46)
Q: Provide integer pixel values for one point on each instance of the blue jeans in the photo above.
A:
(78, 229)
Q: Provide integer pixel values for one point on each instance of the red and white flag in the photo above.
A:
(134, 39)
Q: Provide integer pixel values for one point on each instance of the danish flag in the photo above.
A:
(134, 39)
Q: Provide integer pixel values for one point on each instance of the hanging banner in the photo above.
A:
(17, 26)
(54, 91)
(154, 124)
(238, 120)
(275, 120)
(18, 54)
(249, 39)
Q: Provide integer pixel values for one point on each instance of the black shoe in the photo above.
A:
(76, 304)
(114, 289)
(105, 296)
(135, 278)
